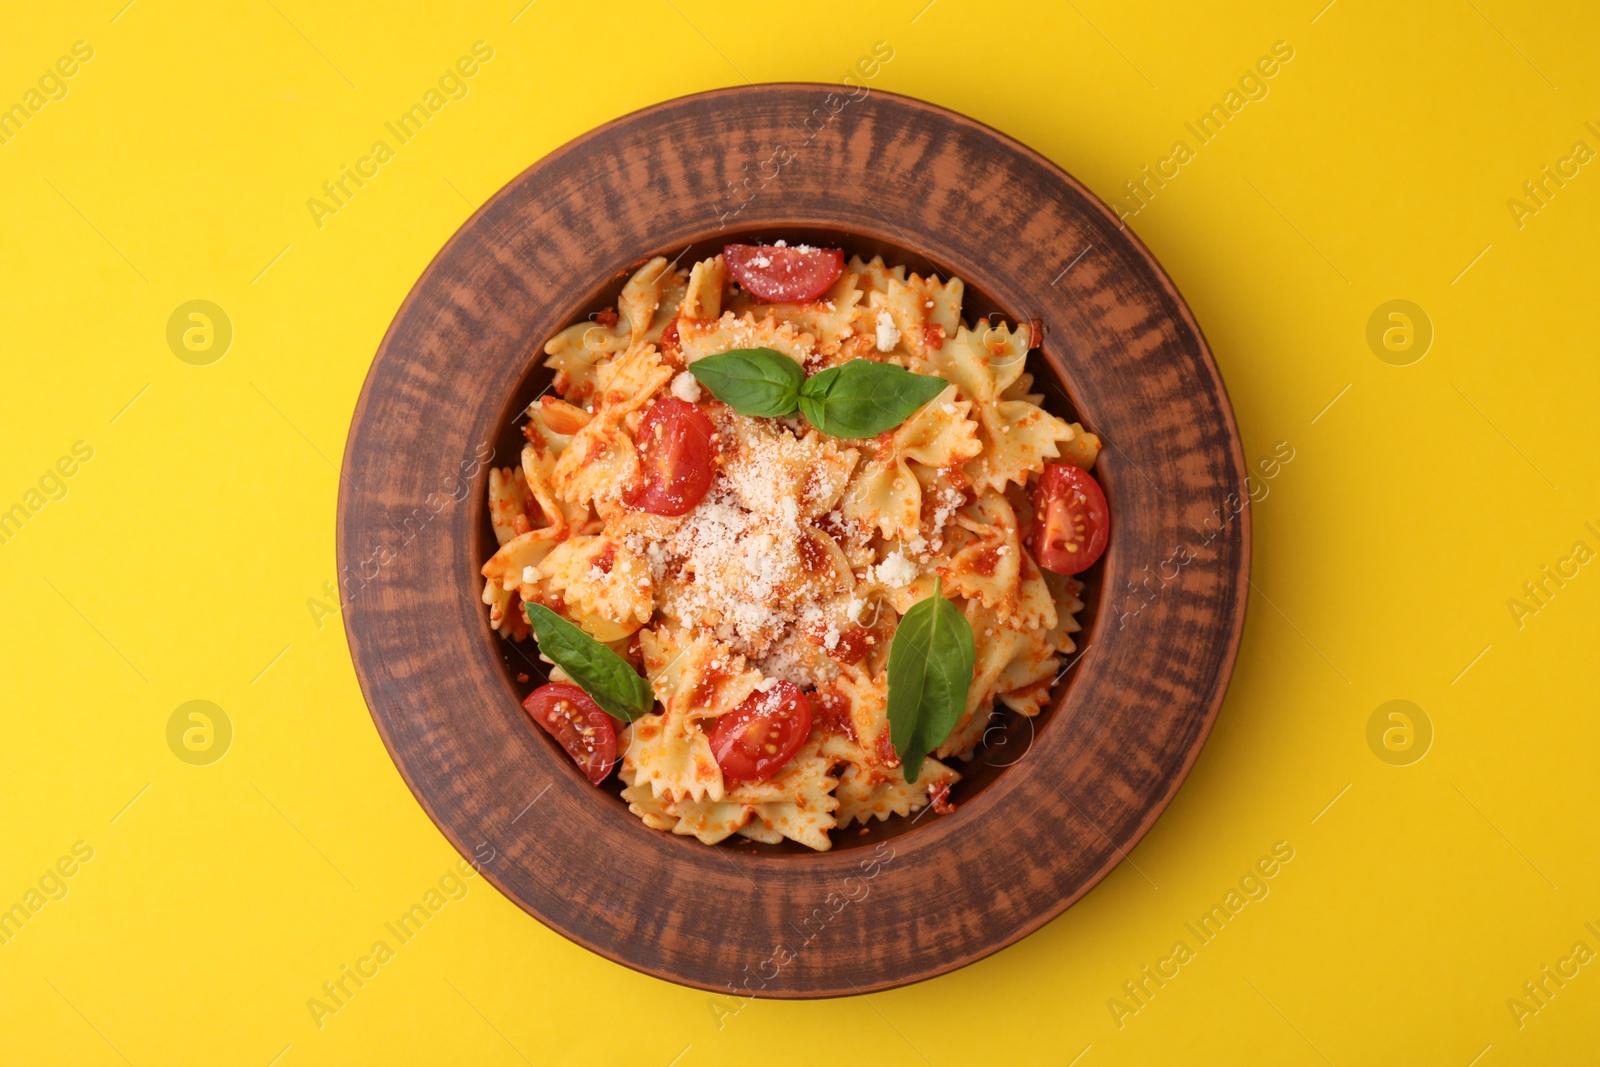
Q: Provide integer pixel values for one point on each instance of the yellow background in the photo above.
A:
(181, 562)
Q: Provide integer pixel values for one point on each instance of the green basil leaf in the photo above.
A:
(600, 672)
(758, 382)
(863, 397)
(930, 671)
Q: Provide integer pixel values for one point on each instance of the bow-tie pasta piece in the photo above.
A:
(604, 584)
(601, 461)
(924, 312)
(625, 384)
(511, 573)
(797, 804)
(1018, 437)
(872, 276)
(669, 750)
(648, 302)
(988, 566)
(1082, 448)
(830, 319)
(1024, 684)
(670, 758)
(597, 467)
(509, 503)
(1064, 591)
(1035, 607)
(805, 812)
(702, 298)
(701, 337)
(887, 494)
(868, 792)
(552, 424)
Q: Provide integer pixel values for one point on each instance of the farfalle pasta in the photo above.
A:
(739, 563)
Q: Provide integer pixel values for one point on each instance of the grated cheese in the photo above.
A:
(684, 387)
(896, 571)
(736, 564)
(888, 332)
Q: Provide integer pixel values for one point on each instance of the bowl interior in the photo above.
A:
(1009, 735)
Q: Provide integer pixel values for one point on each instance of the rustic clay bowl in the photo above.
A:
(1047, 807)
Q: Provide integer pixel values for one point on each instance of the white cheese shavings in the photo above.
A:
(799, 659)
(744, 564)
(684, 387)
(530, 575)
(888, 332)
(896, 571)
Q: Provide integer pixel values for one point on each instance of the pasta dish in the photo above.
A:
(788, 530)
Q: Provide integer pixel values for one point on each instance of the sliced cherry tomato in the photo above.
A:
(756, 739)
(1070, 519)
(569, 715)
(778, 274)
(675, 454)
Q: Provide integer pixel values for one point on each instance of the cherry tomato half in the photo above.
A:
(569, 715)
(755, 740)
(780, 274)
(1070, 519)
(675, 454)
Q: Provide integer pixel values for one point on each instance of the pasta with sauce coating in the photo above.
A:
(806, 550)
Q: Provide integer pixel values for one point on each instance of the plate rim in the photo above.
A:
(1225, 663)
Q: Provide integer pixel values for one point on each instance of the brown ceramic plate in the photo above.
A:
(1047, 807)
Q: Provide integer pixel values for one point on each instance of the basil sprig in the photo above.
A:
(861, 398)
(930, 671)
(758, 382)
(600, 672)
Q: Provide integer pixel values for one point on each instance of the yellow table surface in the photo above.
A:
(188, 553)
